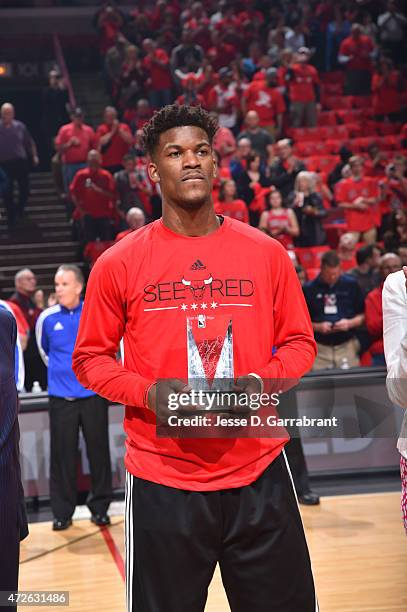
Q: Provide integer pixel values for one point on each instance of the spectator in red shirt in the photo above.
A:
(265, 98)
(358, 195)
(93, 193)
(135, 219)
(355, 53)
(228, 205)
(279, 222)
(108, 20)
(156, 63)
(114, 140)
(190, 95)
(220, 53)
(225, 144)
(386, 91)
(389, 263)
(74, 141)
(393, 190)
(303, 90)
(224, 100)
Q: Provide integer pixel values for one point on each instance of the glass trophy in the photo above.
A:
(210, 358)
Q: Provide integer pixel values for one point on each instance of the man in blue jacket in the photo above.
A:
(72, 406)
(13, 521)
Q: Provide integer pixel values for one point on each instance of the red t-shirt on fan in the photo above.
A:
(359, 50)
(348, 190)
(95, 204)
(236, 209)
(160, 75)
(266, 101)
(302, 83)
(117, 148)
(240, 281)
(85, 135)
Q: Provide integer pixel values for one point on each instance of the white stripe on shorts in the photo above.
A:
(128, 540)
(296, 498)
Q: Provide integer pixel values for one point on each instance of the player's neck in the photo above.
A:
(190, 222)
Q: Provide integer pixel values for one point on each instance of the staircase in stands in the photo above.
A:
(90, 95)
(42, 240)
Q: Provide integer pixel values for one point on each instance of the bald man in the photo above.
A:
(260, 139)
(17, 149)
(93, 192)
(135, 219)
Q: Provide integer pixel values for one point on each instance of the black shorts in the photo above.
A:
(175, 538)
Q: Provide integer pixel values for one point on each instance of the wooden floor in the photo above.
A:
(357, 544)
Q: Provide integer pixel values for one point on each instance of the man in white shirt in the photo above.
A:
(395, 350)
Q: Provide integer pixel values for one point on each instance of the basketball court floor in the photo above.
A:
(357, 544)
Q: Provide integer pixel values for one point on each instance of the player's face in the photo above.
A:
(184, 166)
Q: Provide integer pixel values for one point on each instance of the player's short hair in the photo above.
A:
(174, 115)
(72, 268)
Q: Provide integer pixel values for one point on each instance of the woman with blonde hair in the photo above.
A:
(309, 210)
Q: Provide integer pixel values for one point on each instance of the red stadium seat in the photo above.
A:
(389, 143)
(361, 101)
(327, 118)
(321, 163)
(337, 102)
(361, 144)
(386, 129)
(371, 128)
(346, 115)
(332, 89)
(310, 257)
(333, 146)
(304, 149)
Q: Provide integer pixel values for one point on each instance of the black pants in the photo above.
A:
(65, 419)
(16, 170)
(34, 365)
(174, 539)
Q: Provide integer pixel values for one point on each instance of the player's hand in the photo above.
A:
(341, 325)
(159, 397)
(405, 274)
(245, 385)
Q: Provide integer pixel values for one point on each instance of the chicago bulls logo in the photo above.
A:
(197, 280)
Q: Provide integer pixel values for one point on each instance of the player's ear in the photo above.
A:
(153, 172)
(215, 166)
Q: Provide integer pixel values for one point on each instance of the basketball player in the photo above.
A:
(194, 502)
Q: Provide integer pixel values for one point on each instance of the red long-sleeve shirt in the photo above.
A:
(374, 319)
(135, 291)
